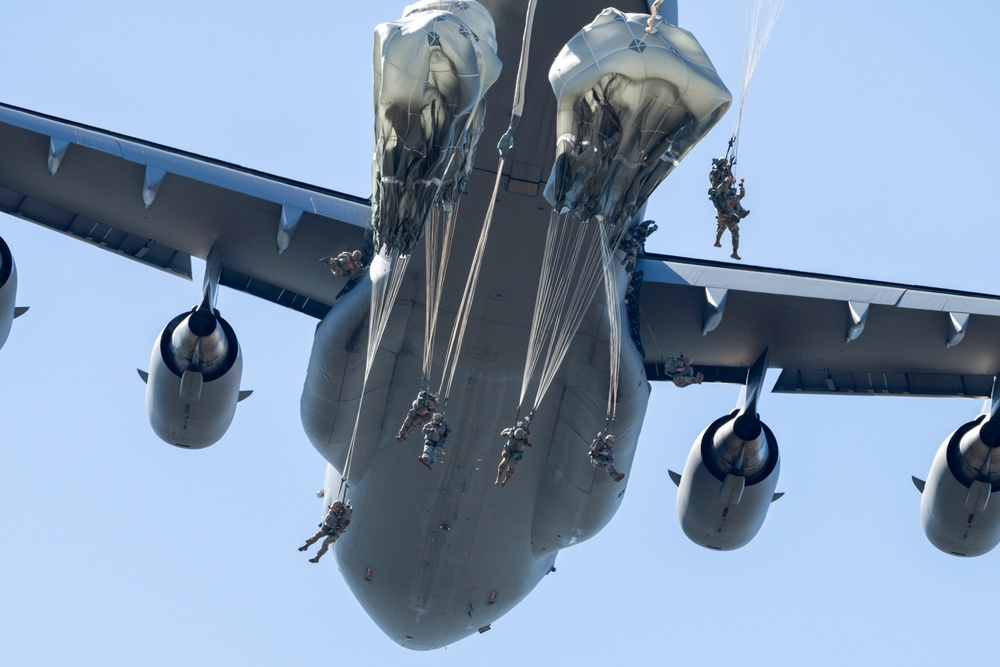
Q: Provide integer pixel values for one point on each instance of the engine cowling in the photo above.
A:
(959, 514)
(193, 384)
(728, 482)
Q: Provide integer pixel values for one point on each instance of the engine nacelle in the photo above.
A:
(728, 482)
(193, 383)
(8, 290)
(959, 514)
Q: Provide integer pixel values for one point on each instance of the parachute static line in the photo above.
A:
(507, 140)
(505, 144)
(465, 306)
(437, 247)
(760, 18)
(653, 11)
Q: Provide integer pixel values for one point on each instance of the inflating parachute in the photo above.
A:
(635, 95)
(432, 69)
(632, 103)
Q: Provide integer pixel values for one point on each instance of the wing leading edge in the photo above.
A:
(829, 334)
(162, 206)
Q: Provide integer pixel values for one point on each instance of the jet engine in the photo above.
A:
(957, 509)
(728, 481)
(8, 291)
(193, 383)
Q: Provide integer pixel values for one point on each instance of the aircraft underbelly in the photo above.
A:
(435, 555)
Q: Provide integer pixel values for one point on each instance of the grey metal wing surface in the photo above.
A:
(828, 334)
(162, 206)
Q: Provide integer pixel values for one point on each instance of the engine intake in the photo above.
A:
(728, 482)
(957, 509)
(193, 384)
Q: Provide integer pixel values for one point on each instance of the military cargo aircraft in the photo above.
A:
(434, 556)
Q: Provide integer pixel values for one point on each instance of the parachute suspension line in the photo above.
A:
(465, 307)
(354, 436)
(562, 248)
(760, 20)
(505, 144)
(569, 278)
(610, 240)
(438, 237)
(383, 296)
(585, 281)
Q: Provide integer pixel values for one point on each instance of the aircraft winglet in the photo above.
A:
(919, 483)
(675, 476)
(143, 374)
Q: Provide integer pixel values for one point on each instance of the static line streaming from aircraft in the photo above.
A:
(527, 239)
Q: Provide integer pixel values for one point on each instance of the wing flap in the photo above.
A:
(161, 207)
(806, 381)
(911, 340)
(139, 248)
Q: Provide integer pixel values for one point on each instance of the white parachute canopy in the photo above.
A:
(632, 103)
(432, 69)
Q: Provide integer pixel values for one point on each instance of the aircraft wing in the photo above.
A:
(827, 334)
(162, 206)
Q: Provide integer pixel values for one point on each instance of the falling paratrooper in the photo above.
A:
(761, 17)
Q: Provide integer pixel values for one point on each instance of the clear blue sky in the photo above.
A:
(866, 148)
